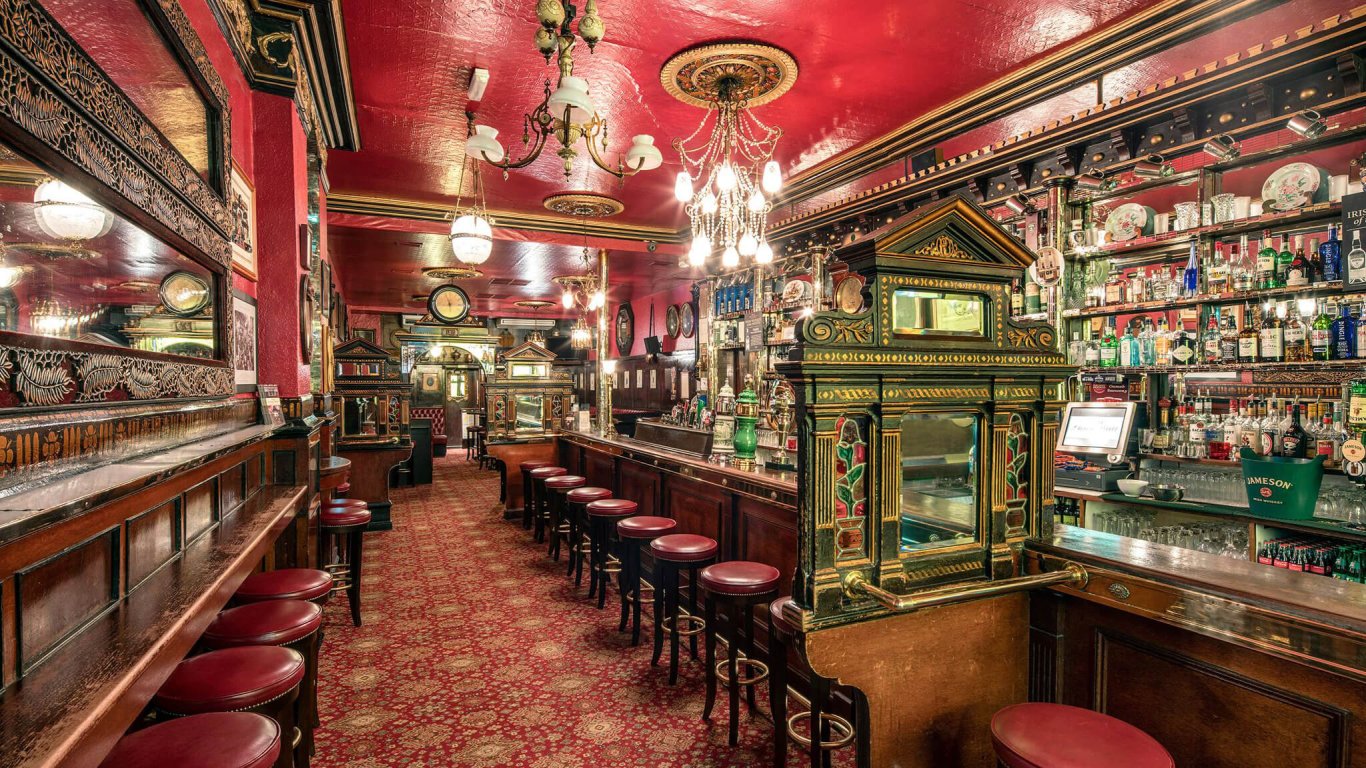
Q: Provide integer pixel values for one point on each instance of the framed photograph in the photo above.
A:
(272, 412)
(305, 246)
(243, 205)
(306, 311)
(244, 341)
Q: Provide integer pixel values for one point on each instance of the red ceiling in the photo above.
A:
(862, 73)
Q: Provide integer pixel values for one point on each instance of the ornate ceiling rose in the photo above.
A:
(588, 205)
(534, 303)
(451, 273)
(755, 73)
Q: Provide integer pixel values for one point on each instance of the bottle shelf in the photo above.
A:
(1332, 468)
(1316, 525)
(1316, 290)
(1031, 317)
(1176, 241)
(1343, 368)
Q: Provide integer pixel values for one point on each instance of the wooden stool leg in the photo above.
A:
(628, 580)
(733, 666)
(777, 694)
(692, 606)
(528, 504)
(748, 622)
(593, 569)
(820, 689)
(636, 601)
(674, 611)
(605, 556)
(709, 673)
(661, 599)
(556, 515)
(353, 591)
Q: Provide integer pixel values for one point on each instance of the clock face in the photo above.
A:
(626, 329)
(183, 293)
(448, 304)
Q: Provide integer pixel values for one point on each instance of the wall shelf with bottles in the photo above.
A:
(1126, 252)
(1331, 368)
(1317, 290)
(1329, 467)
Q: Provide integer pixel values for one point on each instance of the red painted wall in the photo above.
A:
(661, 300)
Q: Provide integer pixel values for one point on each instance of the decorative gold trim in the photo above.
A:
(587, 205)
(944, 247)
(756, 72)
(534, 303)
(450, 273)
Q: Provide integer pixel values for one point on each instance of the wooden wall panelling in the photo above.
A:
(766, 534)
(600, 469)
(641, 484)
(57, 596)
(232, 488)
(1209, 702)
(201, 509)
(151, 540)
(703, 509)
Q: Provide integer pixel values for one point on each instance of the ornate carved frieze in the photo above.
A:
(32, 377)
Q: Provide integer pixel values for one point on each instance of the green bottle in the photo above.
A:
(1266, 263)
(1356, 406)
(1321, 334)
(1109, 348)
(1283, 261)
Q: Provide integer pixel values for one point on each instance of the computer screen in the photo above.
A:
(1097, 428)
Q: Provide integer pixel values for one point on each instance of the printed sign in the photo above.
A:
(1353, 230)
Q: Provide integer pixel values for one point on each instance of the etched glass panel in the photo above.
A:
(920, 312)
(939, 468)
(851, 488)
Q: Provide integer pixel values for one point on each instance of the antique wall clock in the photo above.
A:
(671, 321)
(626, 329)
(448, 304)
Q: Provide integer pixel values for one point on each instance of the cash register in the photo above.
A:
(1098, 443)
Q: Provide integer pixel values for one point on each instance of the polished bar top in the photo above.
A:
(784, 484)
(1318, 599)
(28, 508)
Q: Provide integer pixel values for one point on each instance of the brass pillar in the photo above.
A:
(1059, 222)
(604, 426)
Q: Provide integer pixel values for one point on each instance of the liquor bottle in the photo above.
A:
(1344, 334)
(1228, 341)
(1212, 343)
(1361, 330)
(1294, 440)
(1271, 338)
(1356, 258)
(1091, 356)
(1330, 255)
(1114, 289)
(1243, 265)
(1147, 344)
(1185, 349)
(1109, 347)
(1128, 348)
(1138, 288)
(1321, 334)
(1314, 256)
(1268, 440)
(1248, 337)
(1283, 260)
(1298, 272)
(1296, 339)
(1031, 297)
(1190, 278)
(1266, 263)
(1323, 440)
(1356, 406)
(1217, 276)
(1016, 299)
(1076, 351)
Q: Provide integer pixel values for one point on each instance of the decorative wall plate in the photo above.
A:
(1129, 221)
(671, 321)
(626, 329)
(687, 321)
(756, 73)
(849, 295)
(796, 290)
(588, 205)
(1293, 186)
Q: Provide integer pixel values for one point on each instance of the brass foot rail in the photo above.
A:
(856, 584)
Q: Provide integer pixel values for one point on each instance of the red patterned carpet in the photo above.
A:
(476, 651)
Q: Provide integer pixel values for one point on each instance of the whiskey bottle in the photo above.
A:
(1212, 343)
(1016, 299)
(1248, 337)
(1162, 344)
(1296, 340)
(1228, 341)
(1271, 339)
(1216, 277)
(1031, 297)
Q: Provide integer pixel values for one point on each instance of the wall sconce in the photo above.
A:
(1019, 204)
(1222, 148)
(1153, 167)
(1308, 124)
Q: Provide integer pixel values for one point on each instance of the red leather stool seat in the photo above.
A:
(343, 517)
(781, 623)
(349, 503)
(285, 584)
(587, 493)
(273, 622)
(739, 577)
(611, 508)
(213, 740)
(527, 466)
(645, 527)
(565, 482)
(1036, 735)
(230, 679)
(683, 548)
(439, 440)
(344, 488)
(541, 473)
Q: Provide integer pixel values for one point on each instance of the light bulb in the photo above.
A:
(700, 250)
(683, 187)
(756, 202)
(10, 276)
(748, 244)
(725, 178)
(597, 301)
(709, 204)
(567, 300)
(764, 254)
(730, 258)
(773, 177)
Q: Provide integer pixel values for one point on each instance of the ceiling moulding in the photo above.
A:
(1135, 37)
(531, 222)
(1332, 37)
(282, 44)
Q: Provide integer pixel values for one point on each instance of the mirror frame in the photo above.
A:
(72, 120)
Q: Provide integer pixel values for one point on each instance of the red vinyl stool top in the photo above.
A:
(645, 527)
(545, 472)
(781, 624)
(350, 503)
(342, 517)
(230, 679)
(285, 584)
(343, 489)
(527, 466)
(587, 493)
(565, 482)
(739, 577)
(612, 508)
(1037, 735)
(213, 740)
(273, 622)
(683, 548)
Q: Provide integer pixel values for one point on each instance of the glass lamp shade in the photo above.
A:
(709, 203)
(483, 145)
(567, 300)
(471, 238)
(725, 178)
(644, 155)
(699, 251)
(764, 253)
(598, 299)
(683, 187)
(65, 213)
(10, 276)
(773, 177)
(730, 258)
(756, 202)
(748, 245)
(609, 367)
(572, 95)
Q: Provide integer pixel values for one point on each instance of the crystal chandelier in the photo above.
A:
(566, 113)
(471, 230)
(581, 337)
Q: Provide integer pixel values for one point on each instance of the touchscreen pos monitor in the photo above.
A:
(1100, 429)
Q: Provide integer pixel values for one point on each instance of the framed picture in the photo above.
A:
(306, 311)
(243, 205)
(244, 341)
(272, 412)
(305, 246)
(365, 333)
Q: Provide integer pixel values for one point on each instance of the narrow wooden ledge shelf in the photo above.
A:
(76, 703)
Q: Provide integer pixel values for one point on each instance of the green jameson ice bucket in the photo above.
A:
(1283, 488)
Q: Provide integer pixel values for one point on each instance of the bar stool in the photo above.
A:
(212, 740)
(257, 678)
(572, 523)
(526, 468)
(341, 490)
(549, 514)
(533, 505)
(826, 731)
(342, 529)
(738, 585)
(603, 515)
(308, 584)
(673, 553)
(633, 532)
(471, 443)
(1039, 735)
(286, 623)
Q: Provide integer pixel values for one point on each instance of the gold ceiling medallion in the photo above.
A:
(753, 73)
(451, 273)
(588, 205)
(534, 303)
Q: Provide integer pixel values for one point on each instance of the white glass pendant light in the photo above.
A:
(643, 154)
(683, 187)
(773, 177)
(730, 258)
(756, 202)
(471, 238)
(725, 178)
(709, 204)
(65, 213)
(483, 144)
(764, 253)
(749, 244)
(567, 299)
(700, 250)
(572, 95)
